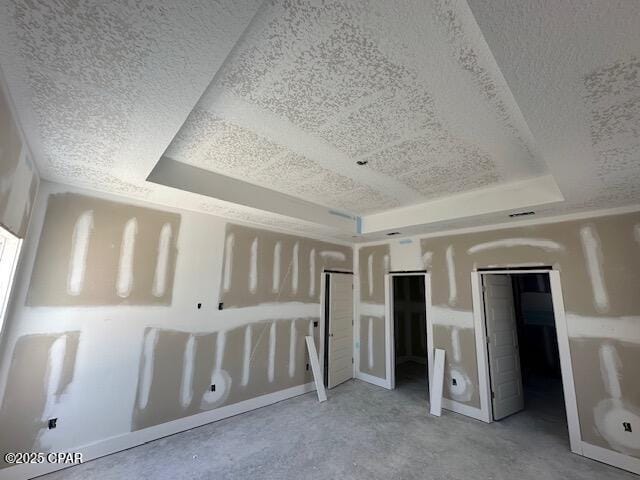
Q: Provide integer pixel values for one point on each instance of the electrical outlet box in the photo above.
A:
(220, 306)
(213, 387)
(627, 426)
(199, 306)
(53, 423)
(454, 382)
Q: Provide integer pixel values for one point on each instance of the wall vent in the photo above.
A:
(521, 214)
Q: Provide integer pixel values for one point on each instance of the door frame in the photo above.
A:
(390, 360)
(568, 386)
(324, 313)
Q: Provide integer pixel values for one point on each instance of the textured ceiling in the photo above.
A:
(352, 81)
(437, 97)
(574, 68)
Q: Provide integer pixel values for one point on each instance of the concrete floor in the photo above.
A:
(361, 432)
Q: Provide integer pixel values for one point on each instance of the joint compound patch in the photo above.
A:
(96, 252)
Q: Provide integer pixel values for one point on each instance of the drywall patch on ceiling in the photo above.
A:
(305, 80)
(385, 118)
(207, 141)
(423, 164)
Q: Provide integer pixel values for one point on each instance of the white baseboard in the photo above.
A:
(604, 455)
(464, 409)
(365, 377)
(132, 439)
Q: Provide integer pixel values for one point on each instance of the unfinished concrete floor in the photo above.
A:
(361, 432)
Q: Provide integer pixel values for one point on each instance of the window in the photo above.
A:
(9, 249)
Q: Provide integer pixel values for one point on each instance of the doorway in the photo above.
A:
(410, 333)
(524, 362)
(337, 328)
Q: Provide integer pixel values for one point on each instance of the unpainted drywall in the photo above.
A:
(18, 178)
(599, 264)
(179, 370)
(138, 365)
(42, 367)
(372, 346)
(98, 252)
(262, 266)
(373, 263)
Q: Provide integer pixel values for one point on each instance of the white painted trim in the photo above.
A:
(315, 368)
(436, 383)
(389, 346)
(481, 350)
(462, 409)
(365, 377)
(619, 460)
(566, 368)
(568, 386)
(389, 325)
(577, 445)
(356, 325)
(323, 319)
(128, 440)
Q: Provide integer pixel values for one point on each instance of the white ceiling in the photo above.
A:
(441, 98)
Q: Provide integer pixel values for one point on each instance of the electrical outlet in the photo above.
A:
(199, 306)
(220, 306)
(315, 324)
(213, 387)
(454, 382)
(52, 423)
(627, 426)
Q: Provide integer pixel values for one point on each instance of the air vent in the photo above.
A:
(521, 214)
(391, 234)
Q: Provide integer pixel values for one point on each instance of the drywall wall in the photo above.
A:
(97, 252)
(18, 178)
(117, 353)
(373, 263)
(262, 266)
(599, 264)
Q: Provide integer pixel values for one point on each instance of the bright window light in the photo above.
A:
(9, 249)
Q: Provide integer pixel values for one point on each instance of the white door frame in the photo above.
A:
(390, 360)
(568, 386)
(323, 313)
(578, 446)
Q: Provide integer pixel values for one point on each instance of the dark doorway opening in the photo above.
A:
(410, 334)
(538, 347)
